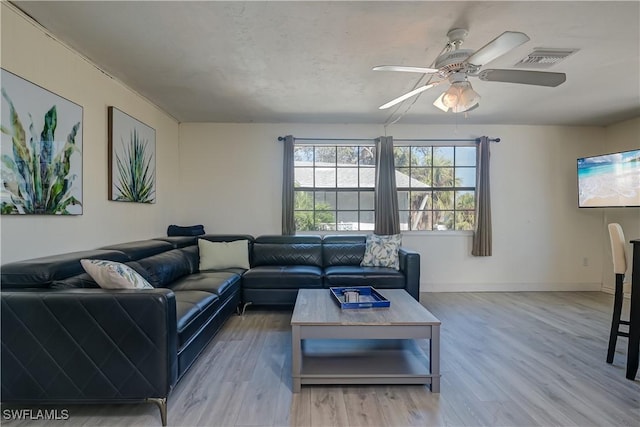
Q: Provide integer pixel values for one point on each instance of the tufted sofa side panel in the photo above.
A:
(87, 345)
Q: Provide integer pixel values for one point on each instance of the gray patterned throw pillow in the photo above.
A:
(382, 251)
(114, 275)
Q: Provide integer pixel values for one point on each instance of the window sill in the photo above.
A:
(448, 233)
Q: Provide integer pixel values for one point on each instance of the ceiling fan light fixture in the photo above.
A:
(460, 97)
(451, 96)
(469, 98)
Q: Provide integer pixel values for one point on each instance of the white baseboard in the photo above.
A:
(626, 290)
(509, 287)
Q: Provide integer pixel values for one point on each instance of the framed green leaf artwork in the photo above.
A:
(132, 159)
(41, 149)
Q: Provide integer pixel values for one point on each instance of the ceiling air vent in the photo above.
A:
(544, 57)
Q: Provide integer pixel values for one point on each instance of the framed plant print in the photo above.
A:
(132, 159)
(41, 145)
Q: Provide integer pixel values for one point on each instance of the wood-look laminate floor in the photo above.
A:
(508, 359)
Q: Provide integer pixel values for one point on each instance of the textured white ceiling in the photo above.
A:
(311, 62)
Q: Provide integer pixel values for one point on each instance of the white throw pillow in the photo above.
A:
(221, 255)
(114, 275)
(382, 251)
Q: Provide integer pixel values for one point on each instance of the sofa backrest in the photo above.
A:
(343, 249)
(144, 256)
(141, 248)
(164, 268)
(85, 281)
(42, 272)
(287, 250)
(227, 237)
(179, 241)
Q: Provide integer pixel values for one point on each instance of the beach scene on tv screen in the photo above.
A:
(609, 180)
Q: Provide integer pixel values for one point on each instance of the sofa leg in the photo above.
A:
(162, 405)
(244, 307)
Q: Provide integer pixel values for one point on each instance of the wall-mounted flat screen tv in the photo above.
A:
(609, 180)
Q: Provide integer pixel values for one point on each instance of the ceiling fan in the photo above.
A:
(455, 65)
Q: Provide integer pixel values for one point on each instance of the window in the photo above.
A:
(436, 187)
(334, 187)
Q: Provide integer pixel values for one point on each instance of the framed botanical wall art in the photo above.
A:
(41, 145)
(132, 159)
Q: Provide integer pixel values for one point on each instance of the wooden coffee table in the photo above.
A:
(363, 346)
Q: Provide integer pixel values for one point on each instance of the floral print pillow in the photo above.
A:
(382, 251)
(114, 275)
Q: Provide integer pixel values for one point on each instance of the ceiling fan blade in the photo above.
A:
(422, 70)
(538, 78)
(407, 96)
(497, 47)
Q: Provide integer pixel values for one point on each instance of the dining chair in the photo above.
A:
(618, 252)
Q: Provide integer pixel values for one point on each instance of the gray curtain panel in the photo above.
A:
(482, 234)
(387, 219)
(288, 220)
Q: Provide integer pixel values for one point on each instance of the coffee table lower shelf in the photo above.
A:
(360, 361)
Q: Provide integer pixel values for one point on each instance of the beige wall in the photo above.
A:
(30, 53)
(540, 236)
(620, 137)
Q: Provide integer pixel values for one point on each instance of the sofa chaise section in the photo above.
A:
(204, 300)
(66, 340)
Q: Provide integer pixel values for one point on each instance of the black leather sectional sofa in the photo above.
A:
(66, 340)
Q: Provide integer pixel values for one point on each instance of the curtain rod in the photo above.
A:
(281, 138)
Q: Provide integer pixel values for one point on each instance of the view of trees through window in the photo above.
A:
(334, 187)
(436, 187)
